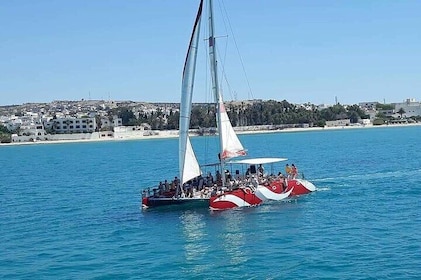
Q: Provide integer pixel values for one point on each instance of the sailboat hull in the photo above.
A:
(300, 187)
(246, 197)
(242, 197)
(276, 190)
(152, 202)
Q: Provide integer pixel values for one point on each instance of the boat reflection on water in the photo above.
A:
(234, 237)
(196, 245)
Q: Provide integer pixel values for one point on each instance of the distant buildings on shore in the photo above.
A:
(73, 120)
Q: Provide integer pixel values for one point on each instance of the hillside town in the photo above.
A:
(97, 119)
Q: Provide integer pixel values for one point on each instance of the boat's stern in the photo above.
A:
(145, 200)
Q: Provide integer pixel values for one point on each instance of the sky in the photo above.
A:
(301, 51)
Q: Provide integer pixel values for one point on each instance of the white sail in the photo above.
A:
(188, 166)
(230, 144)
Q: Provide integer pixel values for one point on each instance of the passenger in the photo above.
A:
(161, 188)
(210, 179)
(285, 183)
(176, 182)
(260, 170)
(288, 171)
(213, 192)
(237, 175)
(185, 189)
(166, 186)
(254, 181)
(201, 183)
(227, 176)
(218, 178)
(294, 171)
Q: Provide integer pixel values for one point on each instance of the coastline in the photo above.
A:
(174, 134)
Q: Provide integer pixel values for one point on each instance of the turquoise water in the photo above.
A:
(71, 211)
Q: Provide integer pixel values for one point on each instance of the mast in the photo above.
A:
(215, 88)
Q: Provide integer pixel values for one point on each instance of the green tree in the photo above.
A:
(401, 112)
(5, 135)
(4, 129)
(378, 121)
(173, 120)
(127, 116)
(98, 122)
(353, 117)
(381, 115)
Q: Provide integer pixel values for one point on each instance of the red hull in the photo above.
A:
(246, 197)
(300, 187)
(243, 197)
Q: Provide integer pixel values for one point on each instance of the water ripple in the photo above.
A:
(71, 211)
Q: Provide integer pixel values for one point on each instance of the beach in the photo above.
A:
(164, 134)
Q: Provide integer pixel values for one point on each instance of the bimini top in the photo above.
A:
(252, 161)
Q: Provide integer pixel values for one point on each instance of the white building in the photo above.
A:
(74, 125)
(368, 105)
(365, 121)
(410, 106)
(106, 123)
(344, 122)
(11, 123)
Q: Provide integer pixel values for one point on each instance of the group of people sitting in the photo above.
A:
(188, 189)
(205, 186)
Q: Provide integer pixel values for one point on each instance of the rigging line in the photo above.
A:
(224, 74)
(218, 54)
(224, 58)
(238, 51)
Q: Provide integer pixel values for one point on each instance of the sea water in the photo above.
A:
(72, 211)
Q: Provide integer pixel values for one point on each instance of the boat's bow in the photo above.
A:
(300, 186)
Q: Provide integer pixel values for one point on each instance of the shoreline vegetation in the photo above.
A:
(86, 121)
(174, 134)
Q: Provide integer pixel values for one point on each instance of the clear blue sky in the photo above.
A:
(301, 51)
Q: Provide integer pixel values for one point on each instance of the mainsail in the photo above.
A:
(230, 144)
(188, 165)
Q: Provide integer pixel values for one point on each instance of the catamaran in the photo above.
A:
(244, 190)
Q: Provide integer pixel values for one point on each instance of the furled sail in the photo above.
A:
(188, 166)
